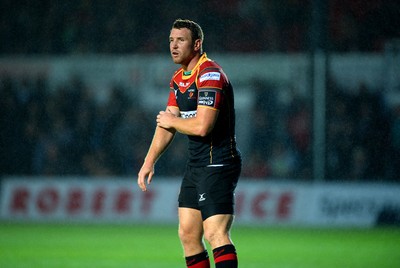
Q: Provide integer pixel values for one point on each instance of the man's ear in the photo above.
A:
(197, 44)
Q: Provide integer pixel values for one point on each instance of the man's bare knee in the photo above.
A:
(216, 237)
(217, 230)
(188, 236)
(191, 231)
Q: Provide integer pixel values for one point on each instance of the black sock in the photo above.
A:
(225, 257)
(200, 260)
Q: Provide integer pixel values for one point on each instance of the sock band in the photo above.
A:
(225, 256)
(200, 260)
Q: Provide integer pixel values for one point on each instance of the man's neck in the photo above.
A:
(192, 63)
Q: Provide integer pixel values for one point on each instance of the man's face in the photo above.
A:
(181, 46)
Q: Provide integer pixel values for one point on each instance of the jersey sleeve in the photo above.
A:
(172, 96)
(172, 99)
(210, 84)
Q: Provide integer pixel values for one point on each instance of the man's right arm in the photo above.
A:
(161, 140)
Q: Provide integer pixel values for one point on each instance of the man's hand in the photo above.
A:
(165, 119)
(147, 171)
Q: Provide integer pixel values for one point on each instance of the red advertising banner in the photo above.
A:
(116, 200)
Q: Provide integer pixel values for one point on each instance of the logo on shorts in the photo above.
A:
(202, 198)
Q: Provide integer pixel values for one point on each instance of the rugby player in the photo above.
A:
(201, 106)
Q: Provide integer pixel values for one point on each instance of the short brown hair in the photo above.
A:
(195, 29)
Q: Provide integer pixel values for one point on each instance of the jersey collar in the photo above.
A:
(202, 59)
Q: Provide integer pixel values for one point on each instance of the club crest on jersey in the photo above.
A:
(210, 76)
(191, 93)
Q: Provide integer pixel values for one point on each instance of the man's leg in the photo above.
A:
(217, 233)
(191, 236)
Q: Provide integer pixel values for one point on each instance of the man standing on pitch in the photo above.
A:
(201, 106)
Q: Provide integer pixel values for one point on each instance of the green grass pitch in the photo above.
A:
(154, 246)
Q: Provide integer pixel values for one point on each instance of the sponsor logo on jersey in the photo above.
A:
(188, 114)
(182, 84)
(206, 98)
(210, 76)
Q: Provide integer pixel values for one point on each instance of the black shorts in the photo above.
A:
(210, 189)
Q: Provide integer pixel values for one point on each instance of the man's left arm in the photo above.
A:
(200, 125)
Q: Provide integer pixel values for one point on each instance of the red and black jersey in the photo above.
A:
(208, 86)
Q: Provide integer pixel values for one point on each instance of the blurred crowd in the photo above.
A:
(87, 26)
(362, 136)
(65, 131)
